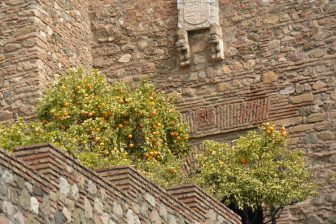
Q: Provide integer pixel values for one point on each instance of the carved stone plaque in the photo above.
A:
(197, 14)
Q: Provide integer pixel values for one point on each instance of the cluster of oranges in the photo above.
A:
(153, 154)
(177, 135)
(270, 129)
(283, 132)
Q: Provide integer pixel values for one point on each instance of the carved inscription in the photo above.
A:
(197, 14)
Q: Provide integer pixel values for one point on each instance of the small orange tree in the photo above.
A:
(104, 125)
(257, 172)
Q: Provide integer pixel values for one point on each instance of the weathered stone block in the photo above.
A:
(9, 48)
(312, 219)
(310, 138)
(269, 77)
(316, 117)
(326, 135)
(4, 115)
(125, 58)
(319, 85)
(150, 199)
(301, 98)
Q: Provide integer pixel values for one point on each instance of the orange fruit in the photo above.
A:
(97, 139)
(120, 126)
(244, 161)
(130, 136)
(88, 85)
(284, 133)
(159, 158)
(66, 104)
(131, 145)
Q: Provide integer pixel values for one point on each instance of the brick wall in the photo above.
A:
(42, 184)
(279, 65)
(38, 40)
(19, 62)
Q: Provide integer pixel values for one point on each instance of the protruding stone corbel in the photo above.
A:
(183, 48)
(216, 42)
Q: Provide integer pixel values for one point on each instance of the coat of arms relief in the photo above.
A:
(196, 15)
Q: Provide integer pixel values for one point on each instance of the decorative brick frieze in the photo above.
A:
(227, 112)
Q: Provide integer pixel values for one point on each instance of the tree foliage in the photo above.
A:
(256, 172)
(104, 125)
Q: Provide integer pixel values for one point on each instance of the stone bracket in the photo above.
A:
(183, 48)
(216, 42)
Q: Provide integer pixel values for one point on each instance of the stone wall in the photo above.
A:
(38, 40)
(279, 66)
(19, 62)
(63, 28)
(45, 185)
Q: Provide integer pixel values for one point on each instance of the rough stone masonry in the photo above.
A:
(279, 65)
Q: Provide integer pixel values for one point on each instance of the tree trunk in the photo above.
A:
(254, 216)
(273, 216)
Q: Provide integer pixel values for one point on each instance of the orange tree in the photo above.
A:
(257, 173)
(104, 125)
